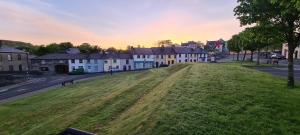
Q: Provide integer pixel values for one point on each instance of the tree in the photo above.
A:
(282, 15)
(87, 48)
(65, 45)
(234, 45)
(164, 42)
(111, 50)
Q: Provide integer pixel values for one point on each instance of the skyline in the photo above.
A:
(117, 23)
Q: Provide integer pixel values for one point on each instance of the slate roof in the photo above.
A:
(142, 51)
(5, 49)
(182, 50)
(73, 51)
(61, 56)
(117, 56)
(163, 50)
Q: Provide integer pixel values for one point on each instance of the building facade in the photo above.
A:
(13, 60)
(285, 51)
(143, 58)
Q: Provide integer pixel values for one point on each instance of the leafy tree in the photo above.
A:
(111, 50)
(234, 45)
(87, 48)
(283, 15)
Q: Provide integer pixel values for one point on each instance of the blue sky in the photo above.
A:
(117, 23)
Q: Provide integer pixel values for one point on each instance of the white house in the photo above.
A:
(94, 63)
(143, 58)
(285, 51)
(77, 61)
(118, 62)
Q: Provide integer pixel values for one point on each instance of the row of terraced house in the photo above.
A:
(137, 59)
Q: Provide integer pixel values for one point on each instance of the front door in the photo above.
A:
(124, 68)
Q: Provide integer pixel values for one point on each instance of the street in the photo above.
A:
(282, 72)
(39, 84)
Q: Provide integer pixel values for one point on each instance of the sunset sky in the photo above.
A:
(117, 23)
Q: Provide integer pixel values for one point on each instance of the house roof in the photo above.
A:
(73, 51)
(5, 49)
(182, 50)
(61, 56)
(163, 50)
(117, 56)
(142, 51)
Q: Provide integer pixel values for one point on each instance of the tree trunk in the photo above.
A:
(258, 57)
(245, 52)
(251, 58)
(291, 81)
(233, 56)
(238, 56)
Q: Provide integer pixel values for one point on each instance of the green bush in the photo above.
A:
(79, 71)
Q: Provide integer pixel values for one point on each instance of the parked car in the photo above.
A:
(277, 56)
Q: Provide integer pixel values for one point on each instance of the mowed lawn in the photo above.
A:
(185, 99)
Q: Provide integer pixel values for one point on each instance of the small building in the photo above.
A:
(13, 60)
(58, 63)
(118, 62)
(90, 63)
(143, 58)
(219, 45)
(164, 56)
(182, 54)
(285, 51)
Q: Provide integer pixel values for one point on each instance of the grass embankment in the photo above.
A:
(183, 99)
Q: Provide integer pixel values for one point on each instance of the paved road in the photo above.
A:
(282, 72)
(39, 84)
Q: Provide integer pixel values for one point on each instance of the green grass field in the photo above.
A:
(187, 99)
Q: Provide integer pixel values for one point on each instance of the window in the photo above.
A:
(186, 55)
(88, 61)
(89, 67)
(179, 55)
(11, 68)
(157, 56)
(195, 60)
(115, 61)
(162, 56)
(169, 62)
(169, 56)
(19, 57)
(105, 62)
(73, 68)
(175, 56)
(9, 57)
(144, 56)
(148, 56)
(72, 61)
(138, 56)
(95, 61)
(191, 60)
(179, 61)
(80, 61)
(127, 61)
(44, 69)
(20, 68)
(96, 68)
(186, 60)
(117, 67)
(172, 61)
